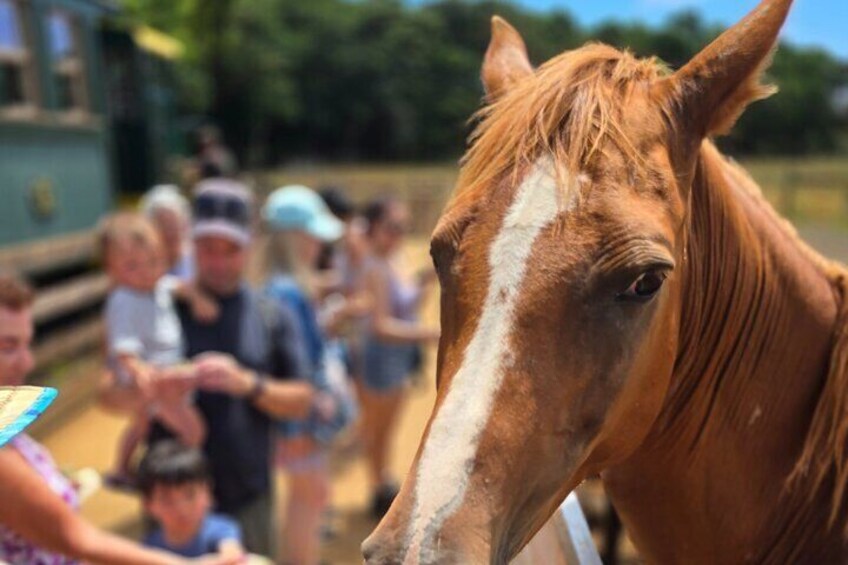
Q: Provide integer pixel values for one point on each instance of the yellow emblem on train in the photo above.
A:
(42, 195)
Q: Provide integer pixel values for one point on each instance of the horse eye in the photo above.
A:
(644, 287)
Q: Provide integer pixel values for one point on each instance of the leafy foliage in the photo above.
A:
(382, 80)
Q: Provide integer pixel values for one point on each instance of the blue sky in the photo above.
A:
(822, 23)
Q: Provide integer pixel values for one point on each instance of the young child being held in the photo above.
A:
(144, 337)
(175, 484)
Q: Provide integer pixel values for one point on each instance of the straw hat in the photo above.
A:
(20, 406)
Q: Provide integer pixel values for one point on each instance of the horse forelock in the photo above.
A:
(567, 110)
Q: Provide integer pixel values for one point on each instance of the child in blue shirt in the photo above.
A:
(176, 486)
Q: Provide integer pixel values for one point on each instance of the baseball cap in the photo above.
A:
(297, 207)
(223, 208)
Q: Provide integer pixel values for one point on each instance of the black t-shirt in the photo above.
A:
(262, 335)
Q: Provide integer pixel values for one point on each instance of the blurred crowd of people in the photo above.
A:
(243, 338)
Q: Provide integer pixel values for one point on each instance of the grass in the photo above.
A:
(808, 191)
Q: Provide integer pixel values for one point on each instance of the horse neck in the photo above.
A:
(756, 329)
(757, 315)
(758, 309)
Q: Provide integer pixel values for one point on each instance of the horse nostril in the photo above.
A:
(369, 549)
(377, 552)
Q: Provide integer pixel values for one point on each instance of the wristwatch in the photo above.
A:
(258, 388)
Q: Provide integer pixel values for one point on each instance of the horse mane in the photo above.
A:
(824, 458)
(824, 449)
(566, 109)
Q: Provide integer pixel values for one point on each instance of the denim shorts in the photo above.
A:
(388, 366)
(333, 381)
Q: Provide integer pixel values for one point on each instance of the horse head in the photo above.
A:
(561, 262)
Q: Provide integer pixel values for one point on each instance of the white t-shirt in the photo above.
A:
(145, 324)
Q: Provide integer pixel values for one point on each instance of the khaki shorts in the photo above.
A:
(258, 531)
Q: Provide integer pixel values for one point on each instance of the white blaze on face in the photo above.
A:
(446, 461)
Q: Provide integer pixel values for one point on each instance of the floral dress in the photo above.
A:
(14, 549)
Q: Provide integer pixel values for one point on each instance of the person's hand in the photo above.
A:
(359, 305)
(433, 335)
(219, 559)
(175, 383)
(183, 373)
(426, 276)
(219, 372)
(231, 548)
(325, 405)
(203, 308)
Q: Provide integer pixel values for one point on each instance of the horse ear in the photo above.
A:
(506, 59)
(710, 92)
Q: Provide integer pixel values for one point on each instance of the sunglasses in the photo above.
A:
(219, 207)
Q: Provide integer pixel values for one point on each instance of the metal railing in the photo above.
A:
(564, 540)
(574, 534)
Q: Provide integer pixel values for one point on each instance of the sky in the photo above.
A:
(820, 23)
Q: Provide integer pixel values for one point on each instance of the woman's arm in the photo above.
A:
(383, 324)
(36, 513)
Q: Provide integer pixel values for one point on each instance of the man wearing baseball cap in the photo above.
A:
(247, 361)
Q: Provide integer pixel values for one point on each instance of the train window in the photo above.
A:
(16, 86)
(67, 61)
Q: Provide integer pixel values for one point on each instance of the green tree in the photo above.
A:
(383, 80)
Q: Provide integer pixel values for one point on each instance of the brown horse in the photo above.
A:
(619, 299)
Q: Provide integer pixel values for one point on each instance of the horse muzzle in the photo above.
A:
(381, 550)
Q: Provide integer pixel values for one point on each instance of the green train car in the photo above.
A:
(84, 114)
(54, 164)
